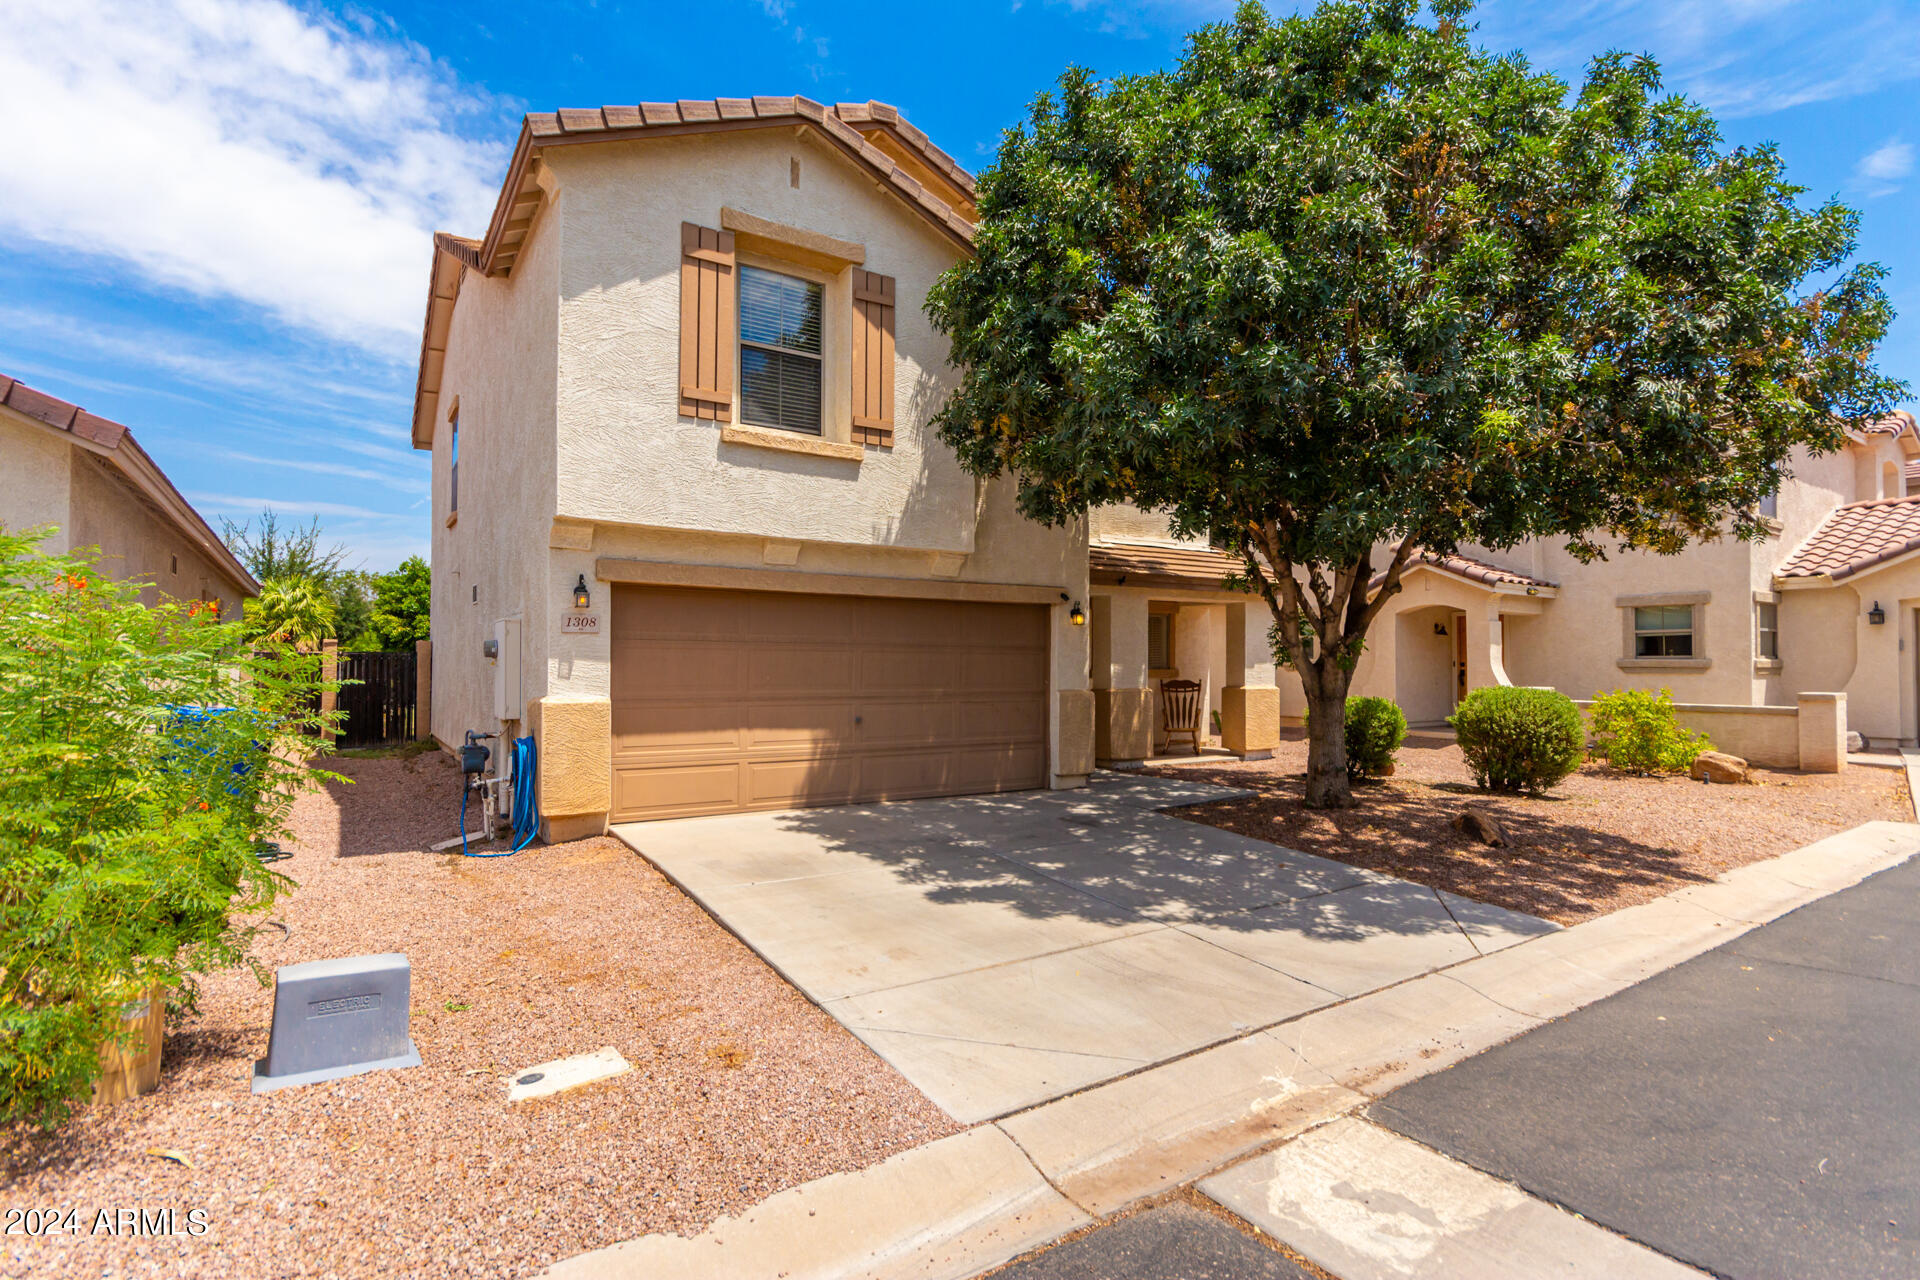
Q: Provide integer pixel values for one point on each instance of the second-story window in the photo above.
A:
(453, 469)
(779, 351)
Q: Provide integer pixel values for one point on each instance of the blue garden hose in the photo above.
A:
(526, 803)
(526, 800)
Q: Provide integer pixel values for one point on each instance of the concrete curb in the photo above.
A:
(964, 1204)
(945, 1211)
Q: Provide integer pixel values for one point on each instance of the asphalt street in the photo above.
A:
(1754, 1112)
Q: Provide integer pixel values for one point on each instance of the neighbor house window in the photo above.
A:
(1770, 505)
(779, 351)
(453, 469)
(1159, 641)
(1663, 631)
(1766, 626)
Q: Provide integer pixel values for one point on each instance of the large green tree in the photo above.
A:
(402, 604)
(1344, 286)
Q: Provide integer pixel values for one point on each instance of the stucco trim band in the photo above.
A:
(791, 442)
(659, 573)
(828, 252)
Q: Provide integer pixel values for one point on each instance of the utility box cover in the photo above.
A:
(334, 1018)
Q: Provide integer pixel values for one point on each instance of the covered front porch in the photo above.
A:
(1162, 614)
(1445, 634)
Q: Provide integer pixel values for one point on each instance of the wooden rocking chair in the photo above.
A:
(1180, 711)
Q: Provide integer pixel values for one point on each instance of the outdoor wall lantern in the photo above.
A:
(1076, 615)
(1439, 629)
(1876, 615)
(581, 599)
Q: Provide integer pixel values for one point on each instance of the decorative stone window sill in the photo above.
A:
(453, 518)
(1663, 664)
(790, 442)
(1767, 664)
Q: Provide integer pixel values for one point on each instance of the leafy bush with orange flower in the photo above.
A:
(132, 817)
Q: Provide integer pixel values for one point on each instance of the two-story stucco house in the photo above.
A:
(692, 530)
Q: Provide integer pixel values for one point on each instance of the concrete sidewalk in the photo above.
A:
(969, 1203)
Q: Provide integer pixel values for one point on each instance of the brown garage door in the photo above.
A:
(728, 700)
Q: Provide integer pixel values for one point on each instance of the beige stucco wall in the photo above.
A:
(34, 479)
(1830, 645)
(627, 457)
(500, 369)
(1124, 522)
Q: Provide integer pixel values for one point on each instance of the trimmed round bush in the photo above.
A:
(1519, 739)
(1375, 730)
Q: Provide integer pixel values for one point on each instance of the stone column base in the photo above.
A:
(1122, 725)
(1073, 757)
(1250, 721)
(578, 826)
(1823, 732)
(574, 738)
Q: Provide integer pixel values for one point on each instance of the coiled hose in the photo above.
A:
(526, 803)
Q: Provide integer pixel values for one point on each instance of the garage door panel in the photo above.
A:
(812, 728)
(678, 669)
(730, 700)
(780, 784)
(1000, 720)
(683, 790)
(812, 670)
(906, 723)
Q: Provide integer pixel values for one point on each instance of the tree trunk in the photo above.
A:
(1328, 786)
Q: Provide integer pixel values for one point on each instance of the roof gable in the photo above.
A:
(1855, 538)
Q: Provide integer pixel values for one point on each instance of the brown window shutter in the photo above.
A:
(872, 358)
(706, 323)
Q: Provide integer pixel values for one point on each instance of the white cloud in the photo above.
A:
(1739, 57)
(244, 150)
(413, 480)
(240, 504)
(1881, 171)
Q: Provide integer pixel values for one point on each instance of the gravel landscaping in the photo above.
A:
(741, 1087)
(1598, 842)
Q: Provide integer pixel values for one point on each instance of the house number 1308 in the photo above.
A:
(580, 624)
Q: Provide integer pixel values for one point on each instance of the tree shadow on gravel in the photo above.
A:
(1554, 865)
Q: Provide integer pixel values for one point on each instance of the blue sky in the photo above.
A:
(218, 210)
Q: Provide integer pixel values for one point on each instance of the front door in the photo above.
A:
(1459, 658)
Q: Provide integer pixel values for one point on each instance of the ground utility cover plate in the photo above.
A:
(547, 1078)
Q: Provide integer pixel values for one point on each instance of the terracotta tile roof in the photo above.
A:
(1912, 475)
(1162, 564)
(126, 456)
(839, 124)
(1891, 425)
(1476, 571)
(1855, 538)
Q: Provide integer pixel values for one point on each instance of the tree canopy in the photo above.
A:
(402, 604)
(1343, 285)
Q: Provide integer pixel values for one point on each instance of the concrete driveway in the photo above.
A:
(1001, 951)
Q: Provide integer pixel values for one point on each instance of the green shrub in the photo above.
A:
(1375, 730)
(128, 842)
(1519, 739)
(1640, 732)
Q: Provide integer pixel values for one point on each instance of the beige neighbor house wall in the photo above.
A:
(491, 563)
(36, 492)
(52, 482)
(568, 378)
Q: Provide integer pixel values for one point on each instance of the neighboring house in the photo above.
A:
(687, 373)
(1747, 635)
(89, 481)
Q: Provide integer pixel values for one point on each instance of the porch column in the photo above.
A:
(1250, 701)
(1122, 700)
(1486, 648)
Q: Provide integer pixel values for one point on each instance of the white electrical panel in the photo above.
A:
(509, 702)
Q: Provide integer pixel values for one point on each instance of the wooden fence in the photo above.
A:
(378, 693)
